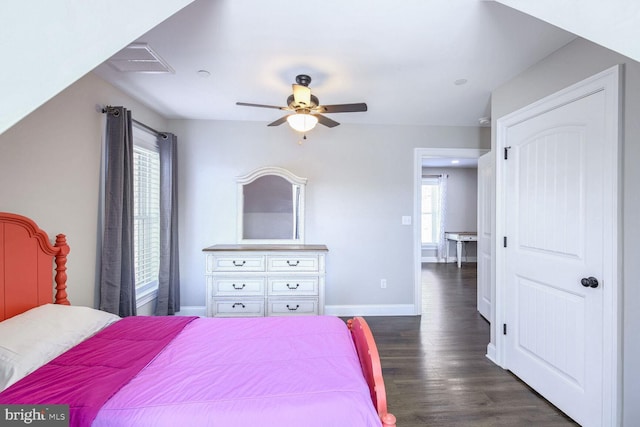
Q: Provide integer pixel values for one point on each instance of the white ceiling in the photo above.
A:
(401, 58)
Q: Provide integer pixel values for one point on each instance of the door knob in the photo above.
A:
(589, 282)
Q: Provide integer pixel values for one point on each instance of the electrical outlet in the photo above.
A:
(383, 283)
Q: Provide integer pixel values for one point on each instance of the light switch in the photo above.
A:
(406, 220)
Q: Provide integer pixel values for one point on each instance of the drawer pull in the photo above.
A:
(293, 263)
(238, 303)
(293, 308)
(237, 288)
(293, 287)
(239, 264)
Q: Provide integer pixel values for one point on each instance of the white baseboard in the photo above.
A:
(491, 353)
(192, 310)
(331, 310)
(370, 310)
(452, 260)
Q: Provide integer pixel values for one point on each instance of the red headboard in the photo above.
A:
(26, 266)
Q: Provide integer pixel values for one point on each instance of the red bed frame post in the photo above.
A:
(61, 270)
(371, 367)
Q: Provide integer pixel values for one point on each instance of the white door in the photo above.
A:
(555, 222)
(485, 222)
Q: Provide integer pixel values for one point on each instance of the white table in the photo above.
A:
(459, 237)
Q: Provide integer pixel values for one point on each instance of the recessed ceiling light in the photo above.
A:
(203, 73)
(460, 82)
(455, 162)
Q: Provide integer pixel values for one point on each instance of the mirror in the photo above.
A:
(271, 206)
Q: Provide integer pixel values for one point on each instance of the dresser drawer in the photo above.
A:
(235, 263)
(237, 286)
(294, 262)
(293, 285)
(240, 307)
(292, 306)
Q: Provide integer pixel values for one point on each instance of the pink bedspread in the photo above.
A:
(87, 375)
(279, 371)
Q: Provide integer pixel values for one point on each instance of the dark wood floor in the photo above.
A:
(435, 368)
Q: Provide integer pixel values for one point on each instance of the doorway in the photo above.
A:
(434, 157)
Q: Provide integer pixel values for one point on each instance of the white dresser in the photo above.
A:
(265, 280)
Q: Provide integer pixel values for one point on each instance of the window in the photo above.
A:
(146, 214)
(430, 211)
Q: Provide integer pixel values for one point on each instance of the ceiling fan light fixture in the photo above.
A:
(305, 109)
(302, 122)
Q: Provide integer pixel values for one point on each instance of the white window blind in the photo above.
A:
(146, 212)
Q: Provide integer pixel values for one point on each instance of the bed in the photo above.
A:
(156, 371)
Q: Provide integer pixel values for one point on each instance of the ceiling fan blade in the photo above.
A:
(326, 121)
(246, 104)
(302, 95)
(342, 108)
(280, 121)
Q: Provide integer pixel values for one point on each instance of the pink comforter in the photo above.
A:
(86, 376)
(279, 371)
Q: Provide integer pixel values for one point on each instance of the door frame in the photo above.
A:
(608, 81)
(419, 154)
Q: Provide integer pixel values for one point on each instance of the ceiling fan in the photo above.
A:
(307, 109)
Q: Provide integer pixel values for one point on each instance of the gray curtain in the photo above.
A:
(169, 274)
(117, 275)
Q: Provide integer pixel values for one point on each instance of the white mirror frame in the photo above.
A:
(290, 177)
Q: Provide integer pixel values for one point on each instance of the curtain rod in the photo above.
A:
(150, 129)
(142, 125)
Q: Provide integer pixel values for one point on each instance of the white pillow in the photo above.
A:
(33, 338)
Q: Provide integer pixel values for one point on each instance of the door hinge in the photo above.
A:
(506, 152)
(504, 241)
(504, 329)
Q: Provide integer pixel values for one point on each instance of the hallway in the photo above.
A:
(435, 368)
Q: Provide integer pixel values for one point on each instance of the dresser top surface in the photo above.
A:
(264, 248)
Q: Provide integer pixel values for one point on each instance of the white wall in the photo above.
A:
(462, 208)
(50, 171)
(360, 184)
(67, 38)
(576, 61)
(614, 24)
